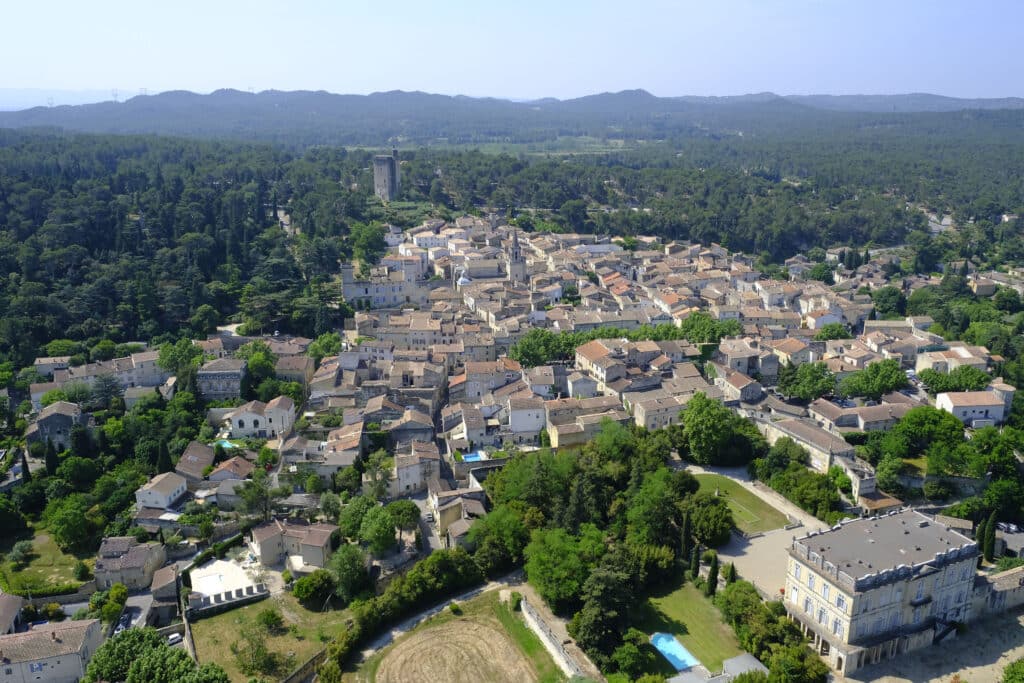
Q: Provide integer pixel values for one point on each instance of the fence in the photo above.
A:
(203, 606)
(190, 645)
(83, 594)
(747, 535)
(306, 669)
(551, 643)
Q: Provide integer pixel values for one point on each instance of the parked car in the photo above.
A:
(174, 639)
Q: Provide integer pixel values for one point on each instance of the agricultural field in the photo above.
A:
(486, 642)
(752, 514)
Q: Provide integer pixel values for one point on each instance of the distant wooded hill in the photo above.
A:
(305, 118)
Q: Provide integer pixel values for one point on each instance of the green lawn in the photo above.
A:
(305, 632)
(48, 565)
(752, 514)
(691, 617)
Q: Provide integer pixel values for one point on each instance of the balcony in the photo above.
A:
(923, 600)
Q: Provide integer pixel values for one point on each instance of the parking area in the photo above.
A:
(761, 560)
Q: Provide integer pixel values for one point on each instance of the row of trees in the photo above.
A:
(141, 655)
(809, 381)
(784, 468)
(541, 346)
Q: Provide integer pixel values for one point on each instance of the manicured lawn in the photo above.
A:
(691, 617)
(304, 629)
(752, 514)
(48, 564)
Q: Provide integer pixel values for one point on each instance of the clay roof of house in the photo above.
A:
(196, 458)
(53, 639)
(165, 483)
(164, 576)
(223, 365)
(237, 466)
(10, 607)
(972, 398)
(72, 410)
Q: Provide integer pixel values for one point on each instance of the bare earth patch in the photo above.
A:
(465, 650)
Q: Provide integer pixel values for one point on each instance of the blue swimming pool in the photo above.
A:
(224, 443)
(674, 652)
(471, 457)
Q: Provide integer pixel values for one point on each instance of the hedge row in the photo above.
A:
(438, 577)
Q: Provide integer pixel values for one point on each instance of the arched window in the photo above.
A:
(241, 424)
(255, 424)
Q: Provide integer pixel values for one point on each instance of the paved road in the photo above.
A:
(430, 538)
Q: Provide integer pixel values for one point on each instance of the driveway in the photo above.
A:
(138, 607)
(431, 541)
(762, 560)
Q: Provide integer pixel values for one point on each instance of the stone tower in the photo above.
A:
(515, 264)
(386, 176)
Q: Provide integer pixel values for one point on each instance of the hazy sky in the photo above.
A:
(518, 48)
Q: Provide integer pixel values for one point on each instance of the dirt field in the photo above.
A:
(463, 650)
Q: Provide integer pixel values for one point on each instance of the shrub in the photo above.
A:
(270, 619)
(81, 571)
(516, 601)
(939, 490)
(454, 607)
(314, 590)
(53, 612)
(286, 576)
(20, 552)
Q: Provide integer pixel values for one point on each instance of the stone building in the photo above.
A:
(878, 587)
(221, 378)
(387, 180)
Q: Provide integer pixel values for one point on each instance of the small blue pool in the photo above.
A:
(224, 443)
(674, 652)
(471, 457)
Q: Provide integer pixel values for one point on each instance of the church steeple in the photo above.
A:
(515, 263)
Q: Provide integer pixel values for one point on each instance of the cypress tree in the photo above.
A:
(26, 476)
(52, 461)
(730, 573)
(687, 535)
(979, 535)
(990, 537)
(163, 459)
(695, 561)
(712, 584)
(160, 536)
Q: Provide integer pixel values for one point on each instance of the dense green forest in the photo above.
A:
(142, 238)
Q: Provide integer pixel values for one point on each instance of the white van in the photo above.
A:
(174, 639)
